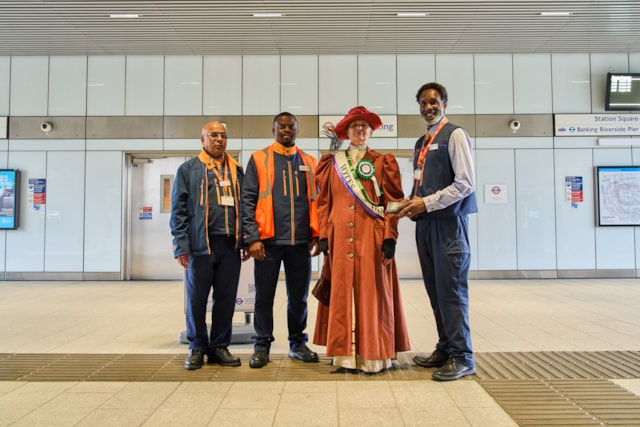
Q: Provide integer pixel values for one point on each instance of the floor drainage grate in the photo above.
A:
(565, 402)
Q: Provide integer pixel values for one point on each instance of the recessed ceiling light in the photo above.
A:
(412, 14)
(268, 15)
(125, 15)
(555, 13)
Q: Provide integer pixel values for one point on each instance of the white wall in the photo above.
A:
(79, 228)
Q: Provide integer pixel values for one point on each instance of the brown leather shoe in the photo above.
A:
(435, 360)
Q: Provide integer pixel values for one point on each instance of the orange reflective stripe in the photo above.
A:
(263, 160)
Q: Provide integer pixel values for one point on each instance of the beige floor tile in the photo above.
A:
(310, 386)
(365, 394)
(243, 417)
(111, 387)
(115, 417)
(189, 409)
(306, 416)
(33, 395)
(374, 417)
(140, 396)
(204, 387)
(10, 415)
(253, 395)
(445, 417)
(309, 401)
(488, 417)
(8, 386)
(66, 409)
(424, 400)
(467, 393)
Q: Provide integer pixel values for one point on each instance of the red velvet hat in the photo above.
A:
(357, 113)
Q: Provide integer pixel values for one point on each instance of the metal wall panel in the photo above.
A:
(32, 127)
(132, 127)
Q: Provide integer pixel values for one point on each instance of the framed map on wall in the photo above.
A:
(618, 195)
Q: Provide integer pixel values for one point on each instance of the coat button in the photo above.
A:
(350, 254)
(352, 207)
(350, 239)
(351, 224)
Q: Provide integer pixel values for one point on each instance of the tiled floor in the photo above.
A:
(147, 317)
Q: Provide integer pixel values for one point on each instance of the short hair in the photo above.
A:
(436, 86)
(283, 114)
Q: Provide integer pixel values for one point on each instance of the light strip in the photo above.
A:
(412, 14)
(555, 13)
(268, 15)
(125, 15)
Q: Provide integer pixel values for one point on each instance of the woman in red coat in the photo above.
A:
(364, 325)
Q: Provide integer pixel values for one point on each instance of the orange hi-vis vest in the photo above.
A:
(264, 207)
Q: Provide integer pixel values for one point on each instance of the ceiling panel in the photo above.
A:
(53, 27)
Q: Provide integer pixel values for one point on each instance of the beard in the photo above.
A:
(433, 118)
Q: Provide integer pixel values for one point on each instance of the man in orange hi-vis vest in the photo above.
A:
(280, 225)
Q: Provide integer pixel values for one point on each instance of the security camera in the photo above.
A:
(514, 125)
(46, 127)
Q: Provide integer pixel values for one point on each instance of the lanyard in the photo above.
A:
(430, 138)
(424, 150)
(219, 178)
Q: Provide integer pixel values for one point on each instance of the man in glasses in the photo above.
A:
(207, 237)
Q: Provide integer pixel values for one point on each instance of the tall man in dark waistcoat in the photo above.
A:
(443, 195)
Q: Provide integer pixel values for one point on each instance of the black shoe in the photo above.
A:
(435, 360)
(304, 353)
(222, 356)
(195, 360)
(453, 370)
(258, 359)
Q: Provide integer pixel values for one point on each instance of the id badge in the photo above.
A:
(304, 168)
(417, 174)
(433, 147)
(225, 183)
(227, 201)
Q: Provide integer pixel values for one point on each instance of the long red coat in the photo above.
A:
(355, 248)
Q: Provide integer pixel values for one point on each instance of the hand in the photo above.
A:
(413, 207)
(388, 248)
(245, 254)
(314, 246)
(323, 246)
(183, 260)
(256, 250)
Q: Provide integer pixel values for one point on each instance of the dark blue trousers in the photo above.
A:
(219, 270)
(443, 249)
(297, 271)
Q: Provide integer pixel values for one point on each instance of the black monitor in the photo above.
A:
(623, 92)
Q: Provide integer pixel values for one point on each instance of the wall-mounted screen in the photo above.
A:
(618, 195)
(9, 192)
(623, 92)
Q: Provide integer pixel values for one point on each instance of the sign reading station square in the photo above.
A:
(597, 124)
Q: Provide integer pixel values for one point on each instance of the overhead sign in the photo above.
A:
(597, 124)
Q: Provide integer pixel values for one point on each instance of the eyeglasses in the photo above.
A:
(214, 135)
(359, 125)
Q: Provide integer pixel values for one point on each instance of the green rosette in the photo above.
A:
(365, 169)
